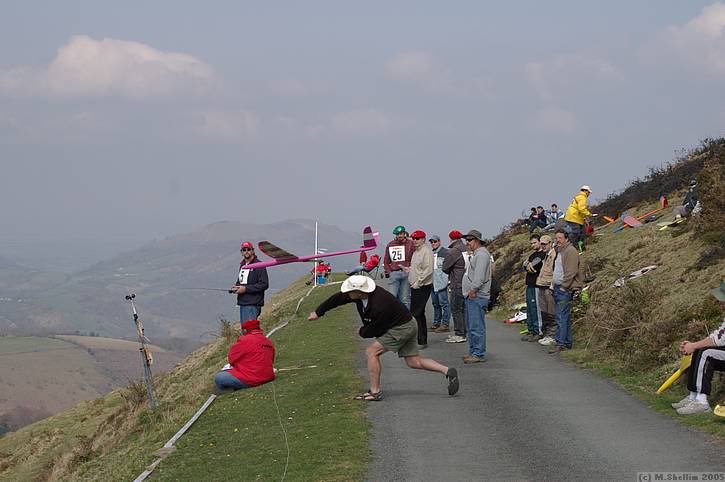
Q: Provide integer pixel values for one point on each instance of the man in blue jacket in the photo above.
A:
(250, 286)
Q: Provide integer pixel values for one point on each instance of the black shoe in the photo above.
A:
(453, 383)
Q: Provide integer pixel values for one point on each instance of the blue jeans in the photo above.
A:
(249, 312)
(441, 312)
(476, 325)
(400, 287)
(563, 317)
(226, 381)
(532, 315)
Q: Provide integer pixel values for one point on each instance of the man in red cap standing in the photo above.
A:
(251, 361)
(250, 286)
(454, 265)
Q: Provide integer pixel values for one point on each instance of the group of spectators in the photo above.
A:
(457, 277)
(575, 221)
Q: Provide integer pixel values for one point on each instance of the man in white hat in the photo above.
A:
(576, 216)
(387, 320)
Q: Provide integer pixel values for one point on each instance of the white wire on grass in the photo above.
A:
(286, 441)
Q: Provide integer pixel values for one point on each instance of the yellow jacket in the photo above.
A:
(578, 209)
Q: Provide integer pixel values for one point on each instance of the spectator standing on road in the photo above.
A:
(544, 295)
(441, 311)
(420, 276)
(477, 288)
(251, 361)
(387, 320)
(708, 356)
(576, 217)
(397, 256)
(567, 279)
(250, 286)
(532, 266)
(454, 265)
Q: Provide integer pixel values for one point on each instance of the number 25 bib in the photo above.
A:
(397, 253)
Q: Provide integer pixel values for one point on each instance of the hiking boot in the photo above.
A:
(547, 341)
(473, 359)
(694, 407)
(441, 329)
(534, 338)
(556, 349)
(433, 327)
(681, 403)
(453, 383)
(525, 337)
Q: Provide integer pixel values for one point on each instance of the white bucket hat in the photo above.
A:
(358, 283)
(585, 188)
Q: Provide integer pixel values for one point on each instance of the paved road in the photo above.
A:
(523, 415)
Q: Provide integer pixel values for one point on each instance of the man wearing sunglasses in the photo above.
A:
(250, 286)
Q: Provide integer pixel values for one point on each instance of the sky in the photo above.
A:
(121, 122)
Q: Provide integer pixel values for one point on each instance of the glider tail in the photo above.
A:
(369, 238)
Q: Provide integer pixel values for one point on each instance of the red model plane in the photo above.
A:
(280, 256)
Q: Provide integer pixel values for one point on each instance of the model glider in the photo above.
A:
(280, 256)
(685, 363)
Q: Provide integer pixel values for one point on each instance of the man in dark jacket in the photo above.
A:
(250, 359)
(532, 267)
(250, 286)
(454, 265)
(387, 320)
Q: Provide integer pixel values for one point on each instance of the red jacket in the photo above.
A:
(252, 358)
(372, 262)
(406, 253)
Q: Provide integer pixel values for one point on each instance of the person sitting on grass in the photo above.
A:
(251, 361)
(386, 319)
(708, 356)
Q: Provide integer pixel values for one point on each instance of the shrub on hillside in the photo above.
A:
(710, 224)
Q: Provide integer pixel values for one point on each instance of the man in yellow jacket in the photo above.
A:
(576, 216)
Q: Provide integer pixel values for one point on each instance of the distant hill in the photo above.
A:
(92, 301)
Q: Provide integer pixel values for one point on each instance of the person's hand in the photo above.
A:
(241, 290)
(687, 347)
(312, 316)
(472, 295)
(414, 286)
(406, 269)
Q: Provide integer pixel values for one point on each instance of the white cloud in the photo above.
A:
(420, 69)
(85, 67)
(700, 43)
(229, 125)
(361, 123)
(562, 75)
(555, 120)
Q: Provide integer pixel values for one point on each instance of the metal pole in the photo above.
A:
(144, 352)
(314, 275)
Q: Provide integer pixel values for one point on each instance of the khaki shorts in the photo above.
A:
(401, 339)
(546, 300)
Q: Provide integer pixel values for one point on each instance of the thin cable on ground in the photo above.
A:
(286, 441)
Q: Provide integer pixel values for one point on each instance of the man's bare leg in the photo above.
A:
(373, 353)
(429, 364)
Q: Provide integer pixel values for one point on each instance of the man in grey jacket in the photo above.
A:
(477, 289)
(454, 265)
(567, 280)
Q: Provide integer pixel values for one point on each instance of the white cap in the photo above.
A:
(358, 283)
(586, 188)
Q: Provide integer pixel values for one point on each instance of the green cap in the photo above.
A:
(398, 230)
(720, 291)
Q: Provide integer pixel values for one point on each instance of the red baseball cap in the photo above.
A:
(247, 244)
(250, 325)
(455, 234)
(418, 234)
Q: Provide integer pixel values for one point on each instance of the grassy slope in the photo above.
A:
(113, 438)
(631, 334)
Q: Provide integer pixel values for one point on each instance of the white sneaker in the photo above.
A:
(681, 403)
(547, 341)
(455, 339)
(694, 407)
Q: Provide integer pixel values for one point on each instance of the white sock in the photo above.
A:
(701, 397)
(693, 395)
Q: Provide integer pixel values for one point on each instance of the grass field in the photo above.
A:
(240, 436)
(21, 344)
(103, 343)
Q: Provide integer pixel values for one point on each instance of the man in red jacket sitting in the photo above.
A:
(251, 361)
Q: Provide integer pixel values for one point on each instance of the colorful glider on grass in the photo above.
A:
(280, 256)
